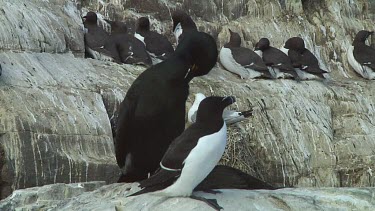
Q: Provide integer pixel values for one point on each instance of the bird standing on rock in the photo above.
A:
(361, 56)
(95, 37)
(152, 114)
(193, 155)
(278, 63)
(125, 48)
(157, 45)
(242, 61)
(306, 64)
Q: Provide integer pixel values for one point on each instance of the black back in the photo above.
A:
(153, 111)
(364, 54)
(125, 48)
(96, 36)
(155, 43)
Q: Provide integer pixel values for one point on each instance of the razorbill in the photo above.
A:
(279, 63)
(193, 154)
(152, 114)
(305, 62)
(182, 22)
(95, 36)
(361, 56)
(125, 48)
(157, 45)
(242, 61)
(229, 116)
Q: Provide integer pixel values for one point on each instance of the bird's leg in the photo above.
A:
(210, 202)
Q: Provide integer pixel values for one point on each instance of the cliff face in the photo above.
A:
(57, 108)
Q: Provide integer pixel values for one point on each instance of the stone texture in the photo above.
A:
(95, 196)
(58, 111)
(41, 26)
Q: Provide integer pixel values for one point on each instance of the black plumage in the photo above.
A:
(156, 44)
(152, 114)
(225, 177)
(192, 155)
(275, 58)
(364, 54)
(182, 23)
(302, 58)
(95, 37)
(125, 48)
(244, 57)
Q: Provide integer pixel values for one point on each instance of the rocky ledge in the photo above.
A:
(98, 196)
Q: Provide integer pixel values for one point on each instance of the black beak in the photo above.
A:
(228, 100)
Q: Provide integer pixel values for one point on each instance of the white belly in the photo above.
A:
(304, 75)
(139, 37)
(364, 71)
(199, 163)
(227, 60)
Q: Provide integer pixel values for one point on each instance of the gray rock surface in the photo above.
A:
(57, 110)
(95, 196)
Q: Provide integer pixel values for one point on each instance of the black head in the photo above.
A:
(117, 27)
(295, 43)
(263, 44)
(143, 24)
(200, 51)
(234, 40)
(362, 36)
(211, 108)
(90, 18)
(182, 17)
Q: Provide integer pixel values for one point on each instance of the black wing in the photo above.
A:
(158, 45)
(365, 55)
(182, 145)
(96, 37)
(158, 181)
(276, 58)
(245, 57)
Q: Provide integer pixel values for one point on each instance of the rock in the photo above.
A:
(58, 111)
(113, 197)
(41, 26)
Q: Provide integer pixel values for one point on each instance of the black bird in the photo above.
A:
(95, 37)
(182, 23)
(125, 48)
(242, 61)
(278, 61)
(157, 45)
(361, 56)
(152, 114)
(192, 156)
(303, 59)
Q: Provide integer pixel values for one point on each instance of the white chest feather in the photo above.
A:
(199, 163)
(139, 37)
(284, 50)
(227, 60)
(177, 32)
(364, 71)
